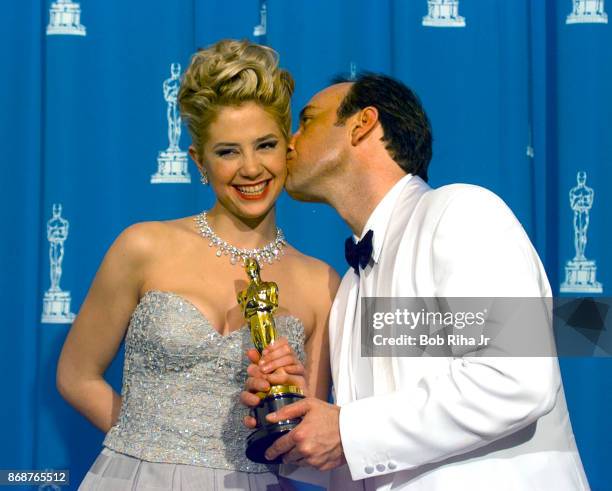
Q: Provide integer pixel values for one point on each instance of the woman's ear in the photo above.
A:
(194, 156)
(365, 121)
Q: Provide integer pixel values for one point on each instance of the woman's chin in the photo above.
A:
(253, 208)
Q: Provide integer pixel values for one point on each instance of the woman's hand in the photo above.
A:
(278, 365)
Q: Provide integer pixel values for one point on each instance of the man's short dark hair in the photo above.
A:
(406, 128)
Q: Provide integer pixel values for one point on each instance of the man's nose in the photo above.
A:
(291, 144)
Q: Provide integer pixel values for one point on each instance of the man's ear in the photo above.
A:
(194, 156)
(365, 121)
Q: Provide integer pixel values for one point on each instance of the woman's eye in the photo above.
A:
(269, 144)
(227, 152)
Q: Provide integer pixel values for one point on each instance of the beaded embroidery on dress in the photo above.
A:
(181, 386)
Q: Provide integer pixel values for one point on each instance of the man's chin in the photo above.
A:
(297, 192)
(294, 193)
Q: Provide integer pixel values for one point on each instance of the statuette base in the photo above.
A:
(443, 14)
(580, 277)
(56, 308)
(267, 433)
(171, 168)
(66, 30)
(442, 22)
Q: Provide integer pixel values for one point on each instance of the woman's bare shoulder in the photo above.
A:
(143, 239)
(140, 237)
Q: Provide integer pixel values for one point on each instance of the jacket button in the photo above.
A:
(392, 465)
(380, 467)
(369, 469)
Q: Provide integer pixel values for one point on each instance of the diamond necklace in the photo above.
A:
(267, 253)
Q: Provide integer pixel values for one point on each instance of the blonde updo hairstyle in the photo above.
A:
(230, 73)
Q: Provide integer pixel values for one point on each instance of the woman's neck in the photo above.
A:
(242, 232)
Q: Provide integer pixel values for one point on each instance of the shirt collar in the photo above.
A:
(379, 219)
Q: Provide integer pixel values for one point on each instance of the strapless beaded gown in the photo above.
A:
(180, 425)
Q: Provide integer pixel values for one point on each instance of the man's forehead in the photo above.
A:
(330, 96)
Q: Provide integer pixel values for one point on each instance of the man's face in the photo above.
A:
(317, 149)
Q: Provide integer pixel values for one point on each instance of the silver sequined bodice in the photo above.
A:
(181, 386)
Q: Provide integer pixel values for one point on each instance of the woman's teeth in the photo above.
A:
(255, 189)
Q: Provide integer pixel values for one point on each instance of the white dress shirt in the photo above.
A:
(378, 223)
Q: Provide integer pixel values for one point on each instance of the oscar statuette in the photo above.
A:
(258, 302)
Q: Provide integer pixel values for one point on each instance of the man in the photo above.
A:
(426, 423)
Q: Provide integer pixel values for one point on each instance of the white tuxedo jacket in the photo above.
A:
(452, 424)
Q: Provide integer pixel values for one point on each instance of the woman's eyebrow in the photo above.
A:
(225, 144)
(266, 137)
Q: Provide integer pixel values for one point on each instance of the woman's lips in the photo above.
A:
(253, 191)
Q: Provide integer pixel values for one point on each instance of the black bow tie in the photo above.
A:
(359, 254)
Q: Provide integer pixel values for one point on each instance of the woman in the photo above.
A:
(170, 287)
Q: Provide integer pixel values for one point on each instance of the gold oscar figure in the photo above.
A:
(259, 301)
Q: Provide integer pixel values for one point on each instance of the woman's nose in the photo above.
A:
(251, 165)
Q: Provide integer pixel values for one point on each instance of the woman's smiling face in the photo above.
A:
(245, 156)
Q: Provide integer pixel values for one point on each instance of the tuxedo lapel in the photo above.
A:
(397, 269)
(344, 308)
(341, 321)
(391, 255)
(385, 368)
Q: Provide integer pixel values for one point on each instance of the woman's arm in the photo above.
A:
(96, 333)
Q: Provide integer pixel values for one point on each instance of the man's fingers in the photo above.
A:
(283, 445)
(293, 456)
(292, 411)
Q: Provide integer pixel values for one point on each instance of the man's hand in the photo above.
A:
(315, 441)
(279, 365)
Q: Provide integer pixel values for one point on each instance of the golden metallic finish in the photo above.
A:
(286, 389)
(259, 301)
(281, 389)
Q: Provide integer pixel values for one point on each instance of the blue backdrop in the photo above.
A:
(518, 93)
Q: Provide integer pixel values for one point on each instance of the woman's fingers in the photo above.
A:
(254, 371)
(249, 399)
(253, 355)
(283, 361)
(284, 379)
(280, 355)
(279, 365)
(297, 369)
(279, 343)
(256, 384)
